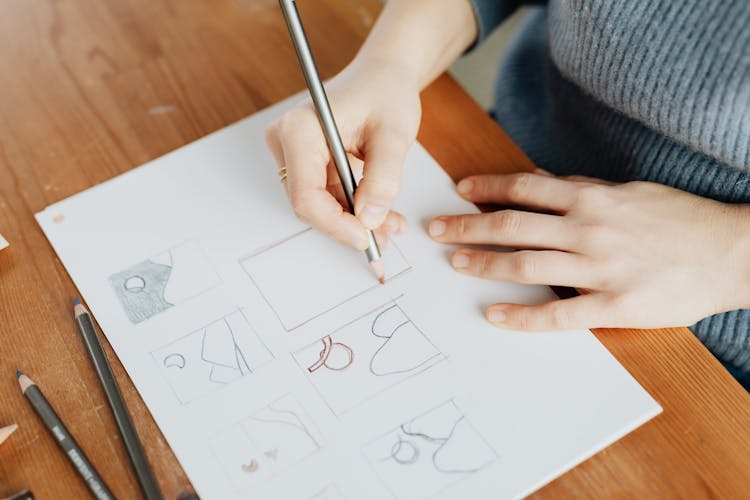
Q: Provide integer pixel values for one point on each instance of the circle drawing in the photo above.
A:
(175, 361)
(404, 452)
(135, 284)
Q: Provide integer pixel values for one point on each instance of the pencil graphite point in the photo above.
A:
(76, 302)
(377, 266)
(19, 373)
(79, 309)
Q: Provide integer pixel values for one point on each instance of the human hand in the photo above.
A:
(377, 111)
(643, 255)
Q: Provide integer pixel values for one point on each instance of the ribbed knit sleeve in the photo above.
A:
(728, 337)
(489, 14)
(693, 62)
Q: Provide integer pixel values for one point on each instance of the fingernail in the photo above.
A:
(372, 215)
(465, 186)
(461, 261)
(437, 227)
(390, 226)
(496, 316)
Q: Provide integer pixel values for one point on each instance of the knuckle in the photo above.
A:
(397, 137)
(591, 195)
(271, 134)
(559, 316)
(461, 226)
(523, 319)
(507, 222)
(388, 188)
(592, 235)
(300, 205)
(597, 237)
(286, 123)
(524, 267)
(638, 185)
(518, 186)
(294, 120)
(619, 302)
(483, 264)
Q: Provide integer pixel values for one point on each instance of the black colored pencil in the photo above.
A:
(124, 423)
(63, 438)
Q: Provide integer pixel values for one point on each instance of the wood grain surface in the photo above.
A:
(89, 90)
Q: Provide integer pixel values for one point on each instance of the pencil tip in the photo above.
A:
(19, 373)
(76, 302)
(377, 266)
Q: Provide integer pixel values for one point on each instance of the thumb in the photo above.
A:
(381, 178)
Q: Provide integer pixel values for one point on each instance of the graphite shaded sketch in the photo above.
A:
(312, 286)
(367, 356)
(211, 357)
(165, 280)
(275, 437)
(429, 453)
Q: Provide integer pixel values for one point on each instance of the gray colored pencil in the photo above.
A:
(124, 423)
(63, 438)
(327, 122)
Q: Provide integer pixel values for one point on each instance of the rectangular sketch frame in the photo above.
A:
(264, 357)
(291, 325)
(261, 459)
(491, 455)
(437, 358)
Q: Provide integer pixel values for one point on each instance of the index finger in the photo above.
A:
(534, 191)
(306, 158)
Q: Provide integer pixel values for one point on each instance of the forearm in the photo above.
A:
(742, 256)
(420, 37)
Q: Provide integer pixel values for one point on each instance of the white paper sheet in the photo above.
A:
(277, 368)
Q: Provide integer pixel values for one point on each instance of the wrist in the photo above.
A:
(379, 66)
(743, 256)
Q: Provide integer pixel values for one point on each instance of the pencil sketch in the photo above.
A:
(165, 280)
(330, 492)
(367, 356)
(211, 357)
(429, 453)
(319, 275)
(269, 440)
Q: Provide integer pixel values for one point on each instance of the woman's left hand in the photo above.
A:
(642, 255)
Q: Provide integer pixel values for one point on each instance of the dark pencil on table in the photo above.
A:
(124, 423)
(63, 438)
(21, 495)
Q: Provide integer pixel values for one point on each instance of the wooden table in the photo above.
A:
(90, 89)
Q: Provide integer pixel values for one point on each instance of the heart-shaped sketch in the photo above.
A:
(251, 466)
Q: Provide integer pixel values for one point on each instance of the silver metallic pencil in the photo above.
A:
(325, 116)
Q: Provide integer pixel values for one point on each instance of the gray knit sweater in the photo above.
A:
(653, 90)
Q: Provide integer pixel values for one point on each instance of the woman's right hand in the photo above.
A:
(377, 110)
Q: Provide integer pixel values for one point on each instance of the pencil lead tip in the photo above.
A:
(76, 302)
(19, 373)
(377, 267)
